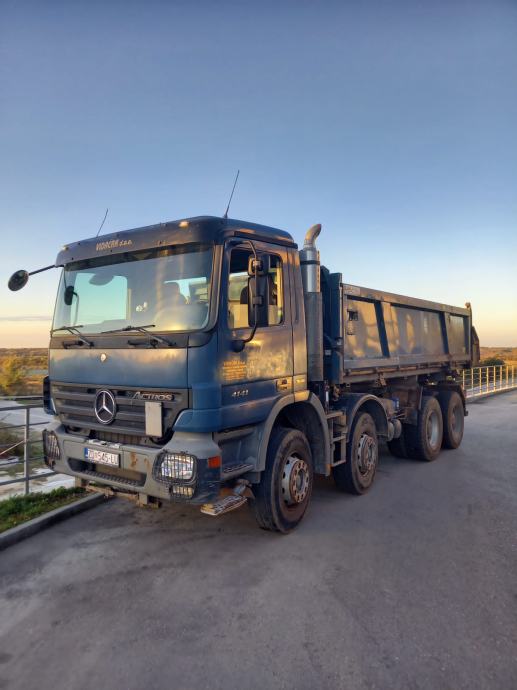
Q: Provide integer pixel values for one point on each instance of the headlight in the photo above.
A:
(175, 467)
(51, 447)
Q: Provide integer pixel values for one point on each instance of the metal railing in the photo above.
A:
(488, 380)
(21, 440)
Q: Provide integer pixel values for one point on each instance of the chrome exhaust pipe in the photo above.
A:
(310, 261)
(313, 300)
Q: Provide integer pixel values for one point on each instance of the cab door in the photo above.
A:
(255, 377)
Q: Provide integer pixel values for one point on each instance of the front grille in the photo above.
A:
(75, 407)
(113, 437)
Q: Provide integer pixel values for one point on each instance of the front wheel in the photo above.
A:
(356, 475)
(284, 491)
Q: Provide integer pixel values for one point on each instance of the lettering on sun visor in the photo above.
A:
(112, 244)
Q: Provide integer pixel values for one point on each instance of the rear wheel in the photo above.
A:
(424, 440)
(356, 475)
(453, 415)
(284, 491)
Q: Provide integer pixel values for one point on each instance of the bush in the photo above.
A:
(13, 376)
(492, 362)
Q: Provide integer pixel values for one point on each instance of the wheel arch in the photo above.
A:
(357, 402)
(306, 415)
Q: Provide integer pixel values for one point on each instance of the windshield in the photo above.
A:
(165, 290)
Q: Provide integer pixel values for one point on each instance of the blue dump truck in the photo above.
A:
(209, 361)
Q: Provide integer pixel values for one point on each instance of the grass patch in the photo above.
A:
(18, 509)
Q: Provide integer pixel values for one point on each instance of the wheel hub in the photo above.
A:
(295, 480)
(366, 454)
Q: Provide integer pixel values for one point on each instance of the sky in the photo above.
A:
(394, 124)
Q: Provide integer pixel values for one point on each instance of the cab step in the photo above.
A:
(223, 505)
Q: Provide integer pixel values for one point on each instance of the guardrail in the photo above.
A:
(488, 380)
(24, 441)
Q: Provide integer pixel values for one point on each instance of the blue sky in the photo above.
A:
(391, 123)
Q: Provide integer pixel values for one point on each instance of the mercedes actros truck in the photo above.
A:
(209, 361)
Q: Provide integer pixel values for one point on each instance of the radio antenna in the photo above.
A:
(231, 195)
(103, 221)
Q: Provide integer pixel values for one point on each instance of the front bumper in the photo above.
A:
(135, 472)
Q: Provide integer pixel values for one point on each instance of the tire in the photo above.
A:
(453, 415)
(398, 446)
(424, 441)
(284, 491)
(356, 475)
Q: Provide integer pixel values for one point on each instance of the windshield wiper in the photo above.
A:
(142, 329)
(74, 331)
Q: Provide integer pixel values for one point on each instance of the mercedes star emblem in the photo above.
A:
(105, 407)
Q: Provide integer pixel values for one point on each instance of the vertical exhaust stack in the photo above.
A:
(310, 266)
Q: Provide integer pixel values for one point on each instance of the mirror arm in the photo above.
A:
(40, 270)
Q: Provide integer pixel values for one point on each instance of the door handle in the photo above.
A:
(282, 384)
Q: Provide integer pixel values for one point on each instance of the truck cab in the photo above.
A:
(171, 347)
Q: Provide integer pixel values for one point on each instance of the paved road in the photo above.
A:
(411, 586)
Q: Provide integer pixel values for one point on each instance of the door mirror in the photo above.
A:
(69, 295)
(259, 266)
(18, 280)
(257, 306)
(254, 266)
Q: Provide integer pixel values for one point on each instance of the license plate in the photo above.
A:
(102, 457)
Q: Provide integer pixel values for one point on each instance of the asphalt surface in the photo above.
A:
(411, 586)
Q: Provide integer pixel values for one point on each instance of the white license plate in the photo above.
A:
(102, 457)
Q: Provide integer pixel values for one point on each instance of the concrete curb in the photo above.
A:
(17, 534)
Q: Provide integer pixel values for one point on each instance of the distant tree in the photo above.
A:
(12, 375)
(492, 362)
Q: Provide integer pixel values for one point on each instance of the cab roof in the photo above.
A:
(200, 229)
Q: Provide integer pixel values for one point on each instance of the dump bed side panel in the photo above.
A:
(367, 330)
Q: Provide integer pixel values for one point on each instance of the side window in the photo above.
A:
(238, 289)
(271, 287)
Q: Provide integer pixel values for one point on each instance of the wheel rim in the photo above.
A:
(433, 429)
(295, 480)
(366, 454)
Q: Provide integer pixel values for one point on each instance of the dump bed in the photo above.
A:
(369, 332)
